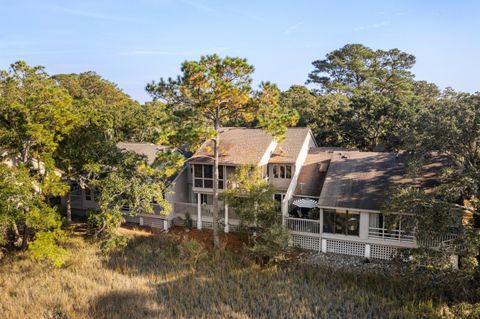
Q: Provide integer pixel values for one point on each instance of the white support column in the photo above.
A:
(227, 227)
(199, 211)
(368, 249)
(320, 220)
(324, 245)
(363, 227)
(141, 221)
(165, 225)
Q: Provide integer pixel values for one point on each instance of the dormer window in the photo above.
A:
(203, 176)
(282, 171)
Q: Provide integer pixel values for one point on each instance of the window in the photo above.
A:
(282, 171)
(288, 171)
(345, 223)
(279, 197)
(328, 221)
(74, 186)
(88, 194)
(392, 227)
(204, 199)
(203, 176)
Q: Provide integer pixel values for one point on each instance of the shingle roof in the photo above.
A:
(238, 145)
(288, 150)
(360, 179)
(147, 149)
(311, 178)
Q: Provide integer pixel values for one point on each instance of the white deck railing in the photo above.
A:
(445, 241)
(390, 235)
(302, 225)
(182, 208)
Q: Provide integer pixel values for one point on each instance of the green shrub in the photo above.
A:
(188, 222)
(192, 251)
(46, 246)
(272, 245)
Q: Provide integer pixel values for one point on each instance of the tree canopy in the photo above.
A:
(365, 98)
(212, 92)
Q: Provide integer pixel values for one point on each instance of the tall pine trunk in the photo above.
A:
(216, 239)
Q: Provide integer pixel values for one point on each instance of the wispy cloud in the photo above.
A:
(172, 53)
(92, 15)
(371, 26)
(291, 29)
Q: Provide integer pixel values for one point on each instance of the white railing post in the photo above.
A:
(199, 211)
(141, 221)
(227, 228)
(324, 245)
(165, 225)
(368, 251)
(454, 260)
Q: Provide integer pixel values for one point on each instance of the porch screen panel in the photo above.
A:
(340, 223)
(344, 223)
(353, 224)
(328, 221)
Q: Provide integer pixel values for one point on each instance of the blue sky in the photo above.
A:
(134, 42)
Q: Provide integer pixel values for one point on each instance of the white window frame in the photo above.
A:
(281, 169)
(383, 233)
(221, 172)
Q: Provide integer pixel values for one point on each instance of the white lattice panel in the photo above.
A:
(345, 247)
(306, 242)
(382, 252)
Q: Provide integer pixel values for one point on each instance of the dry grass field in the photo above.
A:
(165, 276)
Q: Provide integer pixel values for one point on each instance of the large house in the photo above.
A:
(331, 198)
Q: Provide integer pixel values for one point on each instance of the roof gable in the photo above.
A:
(288, 151)
(148, 150)
(238, 146)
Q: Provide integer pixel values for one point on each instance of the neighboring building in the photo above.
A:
(331, 198)
(85, 199)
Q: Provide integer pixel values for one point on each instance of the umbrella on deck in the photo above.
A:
(305, 203)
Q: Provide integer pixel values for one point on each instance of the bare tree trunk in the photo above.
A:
(216, 239)
(25, 237)
(16, 234)
(69, 207)
(25, 152)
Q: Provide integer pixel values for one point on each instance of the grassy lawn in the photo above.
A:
(166, 277)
